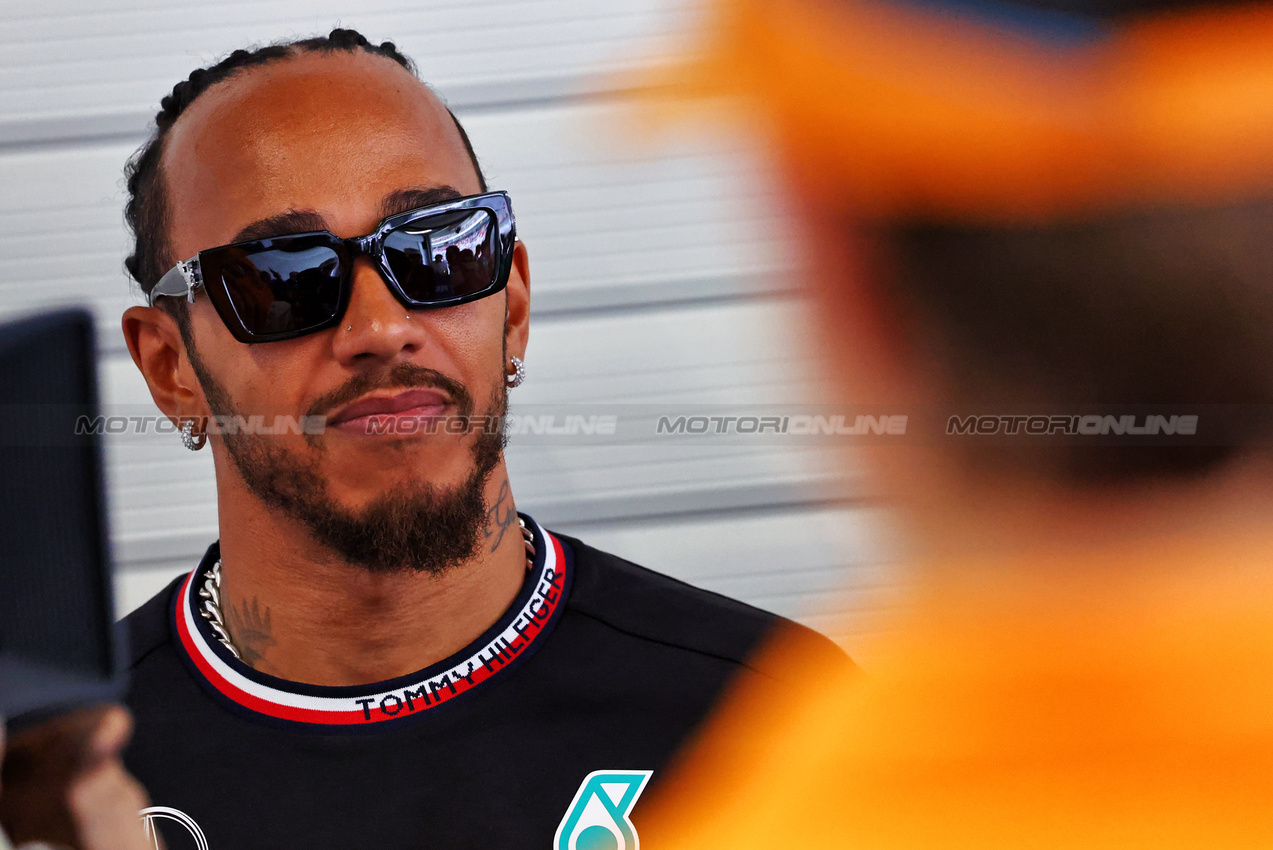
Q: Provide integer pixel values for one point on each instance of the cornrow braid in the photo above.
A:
(146, 212)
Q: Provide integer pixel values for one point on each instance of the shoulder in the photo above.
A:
(147, 627)
(650, 606)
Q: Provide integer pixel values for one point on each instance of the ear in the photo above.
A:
(517, 309)
(155, 343)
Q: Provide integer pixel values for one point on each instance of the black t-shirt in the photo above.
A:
(543, 733)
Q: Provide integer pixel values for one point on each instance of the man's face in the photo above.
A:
(336, 142)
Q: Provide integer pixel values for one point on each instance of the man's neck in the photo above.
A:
(296, 611)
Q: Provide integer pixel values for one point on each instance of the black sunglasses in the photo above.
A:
(289, 286)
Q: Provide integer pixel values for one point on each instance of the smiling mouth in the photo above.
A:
(363, 416)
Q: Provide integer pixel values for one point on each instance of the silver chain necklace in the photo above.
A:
(210, 593)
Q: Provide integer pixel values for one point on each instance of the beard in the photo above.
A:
(415, 526)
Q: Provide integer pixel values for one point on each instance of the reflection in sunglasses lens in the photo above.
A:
(283, 289)
(443, 257)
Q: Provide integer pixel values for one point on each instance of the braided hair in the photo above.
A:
(146, 212)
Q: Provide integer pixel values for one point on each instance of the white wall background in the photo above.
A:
(657, 278)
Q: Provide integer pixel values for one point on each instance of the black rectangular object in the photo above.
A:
(58, 645)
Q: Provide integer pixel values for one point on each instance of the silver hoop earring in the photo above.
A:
(189, 439)
(519, 373)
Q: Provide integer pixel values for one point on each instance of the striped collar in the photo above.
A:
(516, 636)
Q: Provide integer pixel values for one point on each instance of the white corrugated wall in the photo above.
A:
(657, 278)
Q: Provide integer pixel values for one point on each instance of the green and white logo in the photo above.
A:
(598, 816)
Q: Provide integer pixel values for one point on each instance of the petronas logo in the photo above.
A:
(598, 816)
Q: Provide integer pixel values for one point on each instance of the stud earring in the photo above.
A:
(519, 373)
(189, 439)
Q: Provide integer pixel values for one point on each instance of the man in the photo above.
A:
(1065, 216)
(379, 651)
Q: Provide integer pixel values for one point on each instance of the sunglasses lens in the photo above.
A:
(281, 289)
(443, 257)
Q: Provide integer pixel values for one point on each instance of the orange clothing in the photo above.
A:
(886, 109)
(1047, 714)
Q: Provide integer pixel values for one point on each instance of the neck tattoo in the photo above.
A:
(210, 593)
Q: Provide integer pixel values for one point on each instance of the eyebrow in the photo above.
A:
(309, 221)
(283, 224)
(404, 200)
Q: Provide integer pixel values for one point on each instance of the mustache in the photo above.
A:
(401, 376)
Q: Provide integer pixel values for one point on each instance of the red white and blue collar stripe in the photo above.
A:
(511, 640)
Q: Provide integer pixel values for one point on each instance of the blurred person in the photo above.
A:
(379, 650)
(62, 784)
(1010, 208)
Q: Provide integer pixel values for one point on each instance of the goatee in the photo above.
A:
(415, 526)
